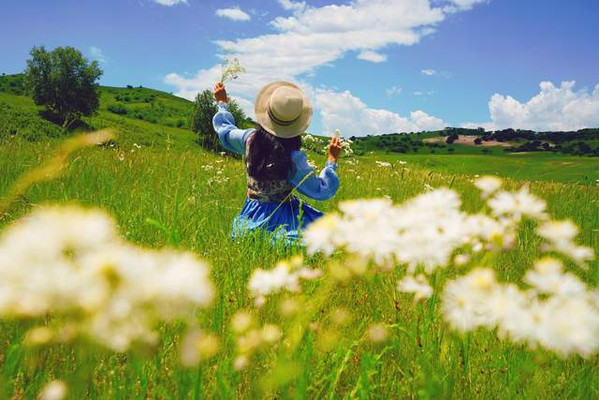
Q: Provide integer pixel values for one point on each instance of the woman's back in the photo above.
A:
(268, 165)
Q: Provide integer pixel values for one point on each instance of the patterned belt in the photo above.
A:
(269, 198)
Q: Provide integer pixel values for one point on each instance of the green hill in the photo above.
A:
(139, 115)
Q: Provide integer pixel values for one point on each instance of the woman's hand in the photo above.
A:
(220, 94)
(334, 149)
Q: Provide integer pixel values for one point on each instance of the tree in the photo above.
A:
(63, 81)
(478, 141)
(452, 138)
(201, 119)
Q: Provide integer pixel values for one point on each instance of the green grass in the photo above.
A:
(147, 104)
(526, 166)
(421, 359)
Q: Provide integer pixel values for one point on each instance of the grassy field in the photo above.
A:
(422, 358)
(525, 166)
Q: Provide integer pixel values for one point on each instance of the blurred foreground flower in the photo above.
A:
(488, 185)
(285, 276)
(55, 390)
(431, 232)
(198, 346)
(72, 263)
(558, 312)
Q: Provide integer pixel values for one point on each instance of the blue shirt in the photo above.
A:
(317, 187)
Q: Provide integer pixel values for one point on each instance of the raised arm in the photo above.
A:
(317, 187)
(231, 137)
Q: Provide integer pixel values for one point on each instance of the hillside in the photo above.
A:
(139, 115)
(584, 142)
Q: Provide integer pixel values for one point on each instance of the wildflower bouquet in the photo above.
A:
(231, 69)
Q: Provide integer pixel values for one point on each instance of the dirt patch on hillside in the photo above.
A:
(469, 141)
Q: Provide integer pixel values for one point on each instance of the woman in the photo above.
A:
(274, 162)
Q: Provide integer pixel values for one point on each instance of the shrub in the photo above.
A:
(117, 109)
(27, 125)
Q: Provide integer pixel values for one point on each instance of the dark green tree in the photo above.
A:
(452, 138)
(64, 81)
(201, 119)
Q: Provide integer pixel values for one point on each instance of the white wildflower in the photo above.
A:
(55, 390)
(560, 235)
(418, 285)
(83, 271)
(322, 235)
(548, 278)
(241, 322)
(461, 259)
(558, 231)
(463, 299)
(570, 326)
(488, 185)
(198, 346)
(566, 321)
(240, 362)
(518, 204)
(378, 333)
(285, 276)
(271, 333)
(423, 231)
(231, 69)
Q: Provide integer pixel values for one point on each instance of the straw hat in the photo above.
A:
(283, 109)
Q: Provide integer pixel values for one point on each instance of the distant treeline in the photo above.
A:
(584, 142)
(581, 142)
(399, 143)
(508, 135)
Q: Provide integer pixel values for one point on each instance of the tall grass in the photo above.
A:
(165, 198)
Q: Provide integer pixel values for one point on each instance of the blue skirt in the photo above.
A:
(286, 220)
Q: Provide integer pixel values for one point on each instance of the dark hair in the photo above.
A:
(269, 157)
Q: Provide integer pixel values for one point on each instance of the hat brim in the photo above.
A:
(261, 110)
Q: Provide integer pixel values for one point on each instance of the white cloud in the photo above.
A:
(246, 106)
(96, 53)
(350, 114)
(555, 108)
(461, 5)
(170, 3)
(428, 72)
(235, 13)
(372, 56)
(393, 91)
(420, 93)
(316, 36)
(293, 5)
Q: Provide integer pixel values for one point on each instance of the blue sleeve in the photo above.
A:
(321, 187)
(232, 138)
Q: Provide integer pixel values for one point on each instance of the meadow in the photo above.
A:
(183, 197)
(524, 166)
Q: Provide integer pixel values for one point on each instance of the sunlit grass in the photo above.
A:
(421, 358)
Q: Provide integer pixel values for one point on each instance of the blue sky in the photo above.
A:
(369, 66)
